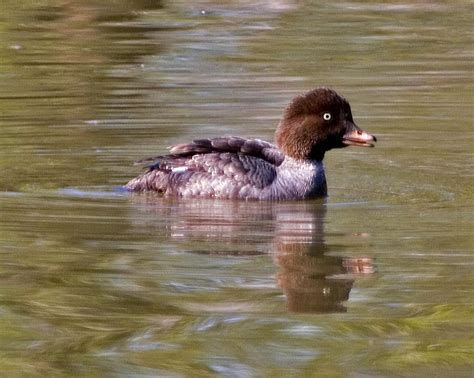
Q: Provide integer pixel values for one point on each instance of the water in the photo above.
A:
(373, 281)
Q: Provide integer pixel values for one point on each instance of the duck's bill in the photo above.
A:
(358, 137)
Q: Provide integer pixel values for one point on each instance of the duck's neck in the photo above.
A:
(303, 151)
(302, 178)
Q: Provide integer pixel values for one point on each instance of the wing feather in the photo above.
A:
(230, 164)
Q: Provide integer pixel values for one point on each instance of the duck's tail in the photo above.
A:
(152, 180)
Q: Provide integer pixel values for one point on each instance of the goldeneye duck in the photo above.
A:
(252, 169)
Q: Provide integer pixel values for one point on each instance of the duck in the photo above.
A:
(238, 168)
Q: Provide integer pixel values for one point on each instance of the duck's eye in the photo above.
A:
(327, 116)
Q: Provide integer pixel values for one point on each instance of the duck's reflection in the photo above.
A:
(293, 233)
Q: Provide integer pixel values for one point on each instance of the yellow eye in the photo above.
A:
(327, 116)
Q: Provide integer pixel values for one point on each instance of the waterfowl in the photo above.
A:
(252, 169)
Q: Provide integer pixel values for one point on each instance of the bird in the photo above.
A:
(238, 168)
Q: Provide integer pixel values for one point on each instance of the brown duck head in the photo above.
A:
(316, 122)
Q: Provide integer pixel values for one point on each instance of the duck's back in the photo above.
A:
(228, 168)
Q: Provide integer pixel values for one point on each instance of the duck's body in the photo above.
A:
(232, 168)
(252, 169)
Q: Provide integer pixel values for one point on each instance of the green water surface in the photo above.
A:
(374, 281)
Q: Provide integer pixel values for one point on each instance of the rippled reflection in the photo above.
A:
(293, 233)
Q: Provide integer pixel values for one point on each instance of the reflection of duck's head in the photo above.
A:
(316, 122)
(315, 294)
(306, 273)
